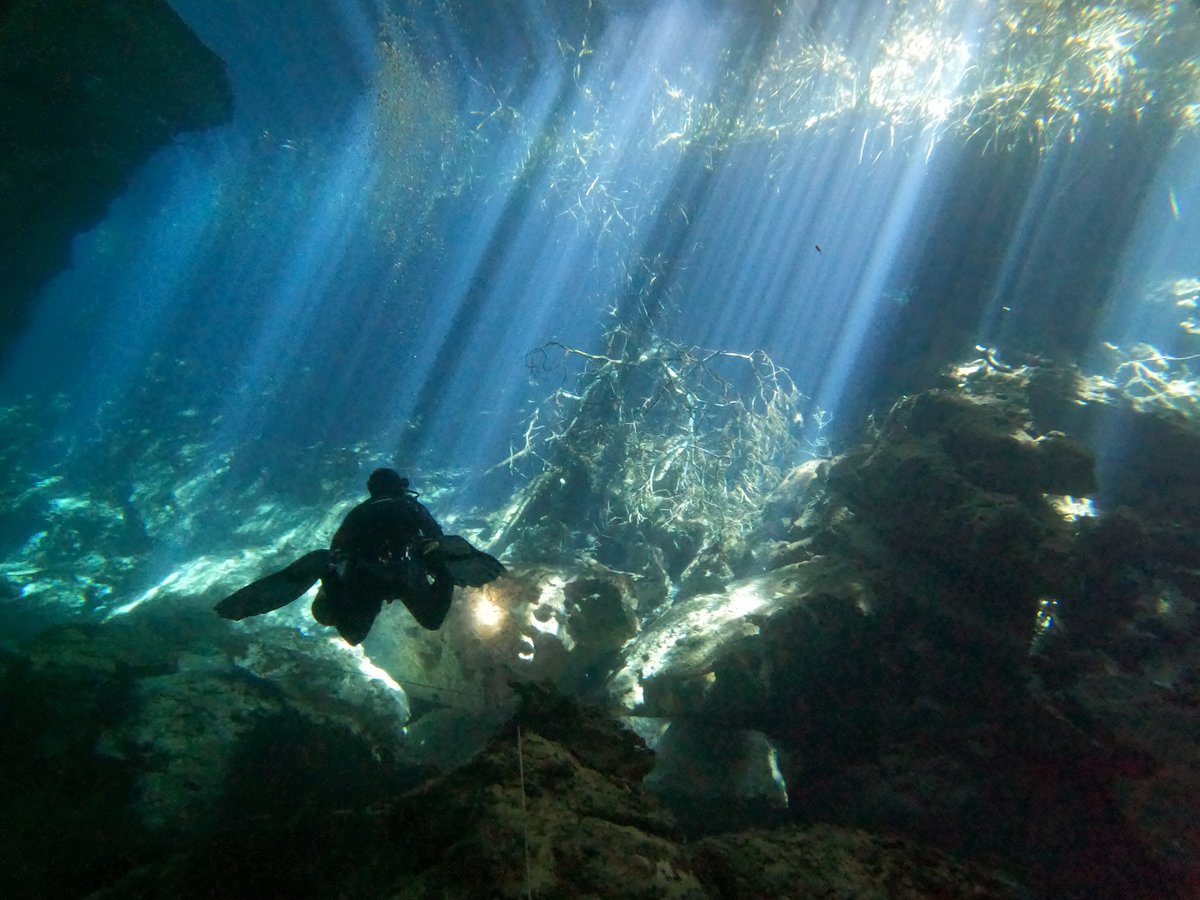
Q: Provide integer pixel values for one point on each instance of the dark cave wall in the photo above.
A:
(89, 89)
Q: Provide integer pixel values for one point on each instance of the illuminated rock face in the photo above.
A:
(557, 624)
(876, 655)
(88, 91)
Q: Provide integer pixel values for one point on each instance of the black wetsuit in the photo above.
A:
(376, 555)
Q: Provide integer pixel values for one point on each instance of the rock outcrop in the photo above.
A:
(896, 643)
(88, 91)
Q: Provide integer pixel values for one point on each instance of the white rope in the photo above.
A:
(524, 816)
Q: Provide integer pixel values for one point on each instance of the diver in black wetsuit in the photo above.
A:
(388, 547)
(381, 552)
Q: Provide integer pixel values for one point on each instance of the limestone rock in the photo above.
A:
(824, 861)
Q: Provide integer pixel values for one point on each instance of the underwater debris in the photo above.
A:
(1151, 380)
(1031, 72)
(657, 443)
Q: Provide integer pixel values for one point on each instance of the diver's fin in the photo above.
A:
(276, 590)
(466, 566)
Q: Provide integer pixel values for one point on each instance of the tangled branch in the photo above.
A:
(655, 434)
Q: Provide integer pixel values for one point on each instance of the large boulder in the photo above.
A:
(157, 734)
(888, 641)
(554, 807)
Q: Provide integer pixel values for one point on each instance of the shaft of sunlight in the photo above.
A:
(545, 259)
(1147, 345)
(832, 219)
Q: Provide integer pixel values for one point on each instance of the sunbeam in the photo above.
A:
(809, 384)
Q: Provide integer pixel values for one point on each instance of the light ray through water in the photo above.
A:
(348, 268)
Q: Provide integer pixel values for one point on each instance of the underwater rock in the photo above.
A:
(707, 572)
(181, 735)
(681, 542)
(153, 733)
(706, 772)
(1112, 557)
(1155, 476)
(885, 654)
(793, 493)
(1065, 466)
(600, 618)
(60, 793)
(1155, 721)
(988, 773)
(557, 623)
(720, 655)
(330, 681)
(592, 734)
(954, 491)
(87, 93)
(826, 861)
(554, 807)
(782, 536)
(442, 739)
(207, 780)
(1147, 449)
(990, 441)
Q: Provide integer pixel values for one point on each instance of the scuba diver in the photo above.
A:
(387, 548)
